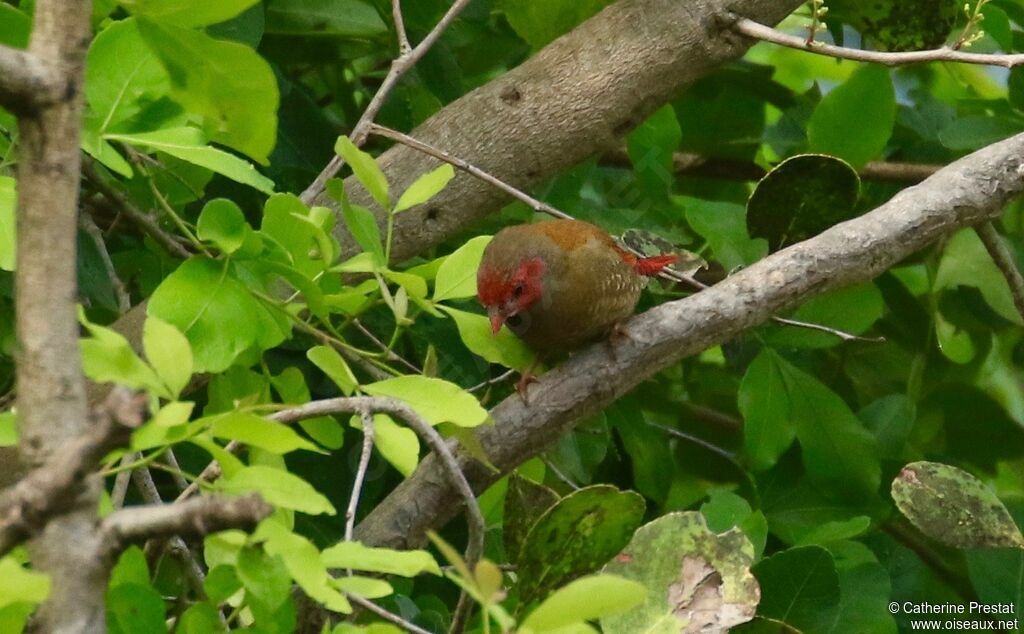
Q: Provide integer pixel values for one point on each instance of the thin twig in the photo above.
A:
(759, 31)
(384, 614)
(357, 484)
(399, 67)
(504, 376)
(389, 354)
(558, 474)
(142, 220)
(734, 169)
(121, 482)
(1004, 261)
(88, 225)
(845, 336)
(667, 273)
(404, 48)
(176, 472)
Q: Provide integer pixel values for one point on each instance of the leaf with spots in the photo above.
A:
(696, 581)
(953, 507)
(575, 537)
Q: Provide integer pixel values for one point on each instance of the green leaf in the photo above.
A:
(425, 187)
(8, 429)
(764, 402)
(366, 587)
(221, 582)
(123, 79)
(107, 357)
(299, 239)
(15, 26)
(365, 169)
(222, 223)
(8, 241)
(199, 618)
(436, 400)
(334, 366)
(407, 563)
(954, 507)
(302, 559)
(228, 84)
(972, 133)
(187, 13)
(456, 278)
(258, 432)
(725, 510)
(264, 576)
(575, 537)
(541, 22)
(325, 18)
(838, 452)
(965, 262)
(583, 600)
(18, 584)
(216, 313)
(279, 488)
(724, 226)
(525, 502)
(168, 351)
(855, 120)
(503, 348)
(362, 224)
(399, 445)
(133, 607)
(651, 146)
(188, 144)
(800, 198)
(696, 580)
(799, 587)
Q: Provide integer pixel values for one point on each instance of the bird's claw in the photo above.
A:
(525, 379)
(615, 336)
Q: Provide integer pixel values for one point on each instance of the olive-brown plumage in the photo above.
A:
(559, 284)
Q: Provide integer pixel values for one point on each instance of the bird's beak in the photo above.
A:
(497, 318)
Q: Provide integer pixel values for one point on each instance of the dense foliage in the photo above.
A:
(770, 459)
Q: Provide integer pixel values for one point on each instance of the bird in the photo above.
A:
(560, 284)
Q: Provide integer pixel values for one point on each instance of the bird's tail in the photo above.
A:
(653, 265)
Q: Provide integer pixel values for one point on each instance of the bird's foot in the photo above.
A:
(525, 379)
(618, 333)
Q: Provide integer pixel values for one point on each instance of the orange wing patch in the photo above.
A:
(571, 234)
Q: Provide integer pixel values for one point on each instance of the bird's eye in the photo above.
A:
(517, 292)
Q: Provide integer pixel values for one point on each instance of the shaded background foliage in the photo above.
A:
(792, 435)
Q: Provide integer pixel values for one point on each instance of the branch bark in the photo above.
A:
(572, 100)
(51, 390)
(26, 83)
(965, 193)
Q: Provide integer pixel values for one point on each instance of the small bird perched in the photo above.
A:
(560, 284)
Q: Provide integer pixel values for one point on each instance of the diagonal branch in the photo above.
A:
(1004, 261)
(965, 193)
(406, 59)
(758, 31)
(55, 487)
(193, 518)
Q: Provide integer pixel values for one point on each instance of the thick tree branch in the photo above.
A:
(26, 83)
(407, 58)
(55, 487)
(572, 100)
(51, 390)
(965, 193)
(759, 31)
(193, 518)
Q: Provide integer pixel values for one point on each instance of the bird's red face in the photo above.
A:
(505, 293)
